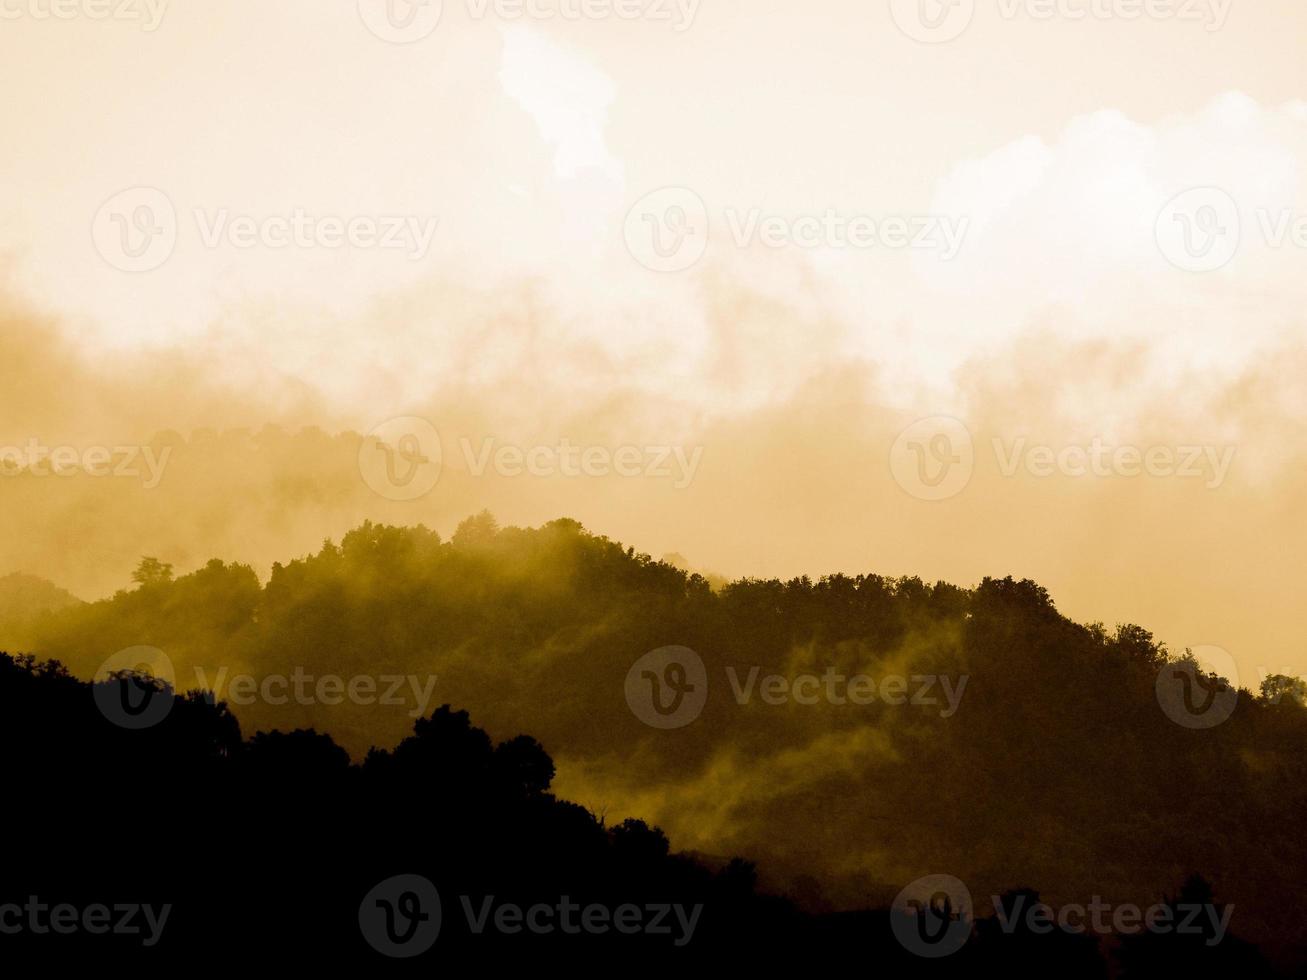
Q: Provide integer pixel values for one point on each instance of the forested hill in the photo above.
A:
(854, 733)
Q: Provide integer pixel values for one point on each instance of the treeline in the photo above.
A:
(1056, 766)
(209, 851)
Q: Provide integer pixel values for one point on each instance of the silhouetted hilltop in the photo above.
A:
(850, 734)
(23, 596)
(24, 599)
(179, 842)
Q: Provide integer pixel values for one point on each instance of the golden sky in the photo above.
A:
(512, 157)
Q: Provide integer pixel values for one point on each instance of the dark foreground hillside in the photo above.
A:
(181, 845)
(1003, 745)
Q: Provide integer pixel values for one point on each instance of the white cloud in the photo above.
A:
(566, 96)
(1068, 231)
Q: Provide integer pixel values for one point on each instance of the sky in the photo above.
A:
(838, 249)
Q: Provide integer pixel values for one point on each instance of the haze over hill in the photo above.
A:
(534, 876)
(999, 738)
(885, 323)
(799, 483)
(24, 596)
